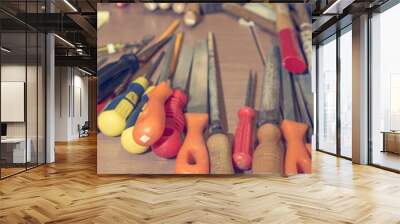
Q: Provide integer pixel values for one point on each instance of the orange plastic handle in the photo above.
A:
(151, 123)
(193, 155)
(297, 159)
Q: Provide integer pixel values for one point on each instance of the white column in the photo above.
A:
(50, 93)
(360, 90)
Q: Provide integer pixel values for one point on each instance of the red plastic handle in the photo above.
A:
(170, 142)
(243, 143)
(291, 55)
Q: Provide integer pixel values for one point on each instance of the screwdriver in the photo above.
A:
(243, 143)
(267, 155)
(193, 158)
(127, 141)
(219, 146)
(291, 55)
(111, 75)
(150, 126)
(170, 142)
(112, 48)
(121, 88)
(112, 121)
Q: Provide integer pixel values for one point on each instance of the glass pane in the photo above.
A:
(385, 83)
(327, 96)
(13, 86)
(346, 94)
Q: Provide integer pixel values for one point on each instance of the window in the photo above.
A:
(346, 93)
(385, 89)
(327, 96)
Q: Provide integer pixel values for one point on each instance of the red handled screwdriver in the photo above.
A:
(171, 140)
(243, 142)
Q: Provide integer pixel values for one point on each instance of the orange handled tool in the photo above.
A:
(193, 155)
(151, 124)
(297, 159)
(193, 158)
(243, 143)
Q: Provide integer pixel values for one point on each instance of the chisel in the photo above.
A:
(193, 155)
(151, 124)
(171, 140)
(112, 121)
(267, 156)
(219, 146)
(243, 142)
(291, 55)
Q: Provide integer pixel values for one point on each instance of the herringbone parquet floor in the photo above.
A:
(69, 191)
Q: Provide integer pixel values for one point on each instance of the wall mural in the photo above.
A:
(210, 88)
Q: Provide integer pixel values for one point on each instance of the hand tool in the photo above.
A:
(178, 8)
(219, 146)
(112, 121)
(171, 140)
(114, 73)
(151, 6)
(257, 42)
(193, 156)
(192, 14)
(127, 141)
(240, 11)
(164, 6)
(297, 159)
(112, 48)
(148, 70)
(292, 57)
(304, 23)
(243, 142)
(267, 156)
(111, 75)
(151, 124)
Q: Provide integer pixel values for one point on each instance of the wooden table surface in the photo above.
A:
(237, 54)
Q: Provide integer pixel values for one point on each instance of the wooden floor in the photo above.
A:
(69, 191)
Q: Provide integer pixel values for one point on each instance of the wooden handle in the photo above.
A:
(297, 159)
(171, 29)
(220, 151)
(151, 123)
(192, 14)
(193, 155)
(239, 11)
(179, 8)
(267, 158)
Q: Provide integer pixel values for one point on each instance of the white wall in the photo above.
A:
(70, 83)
